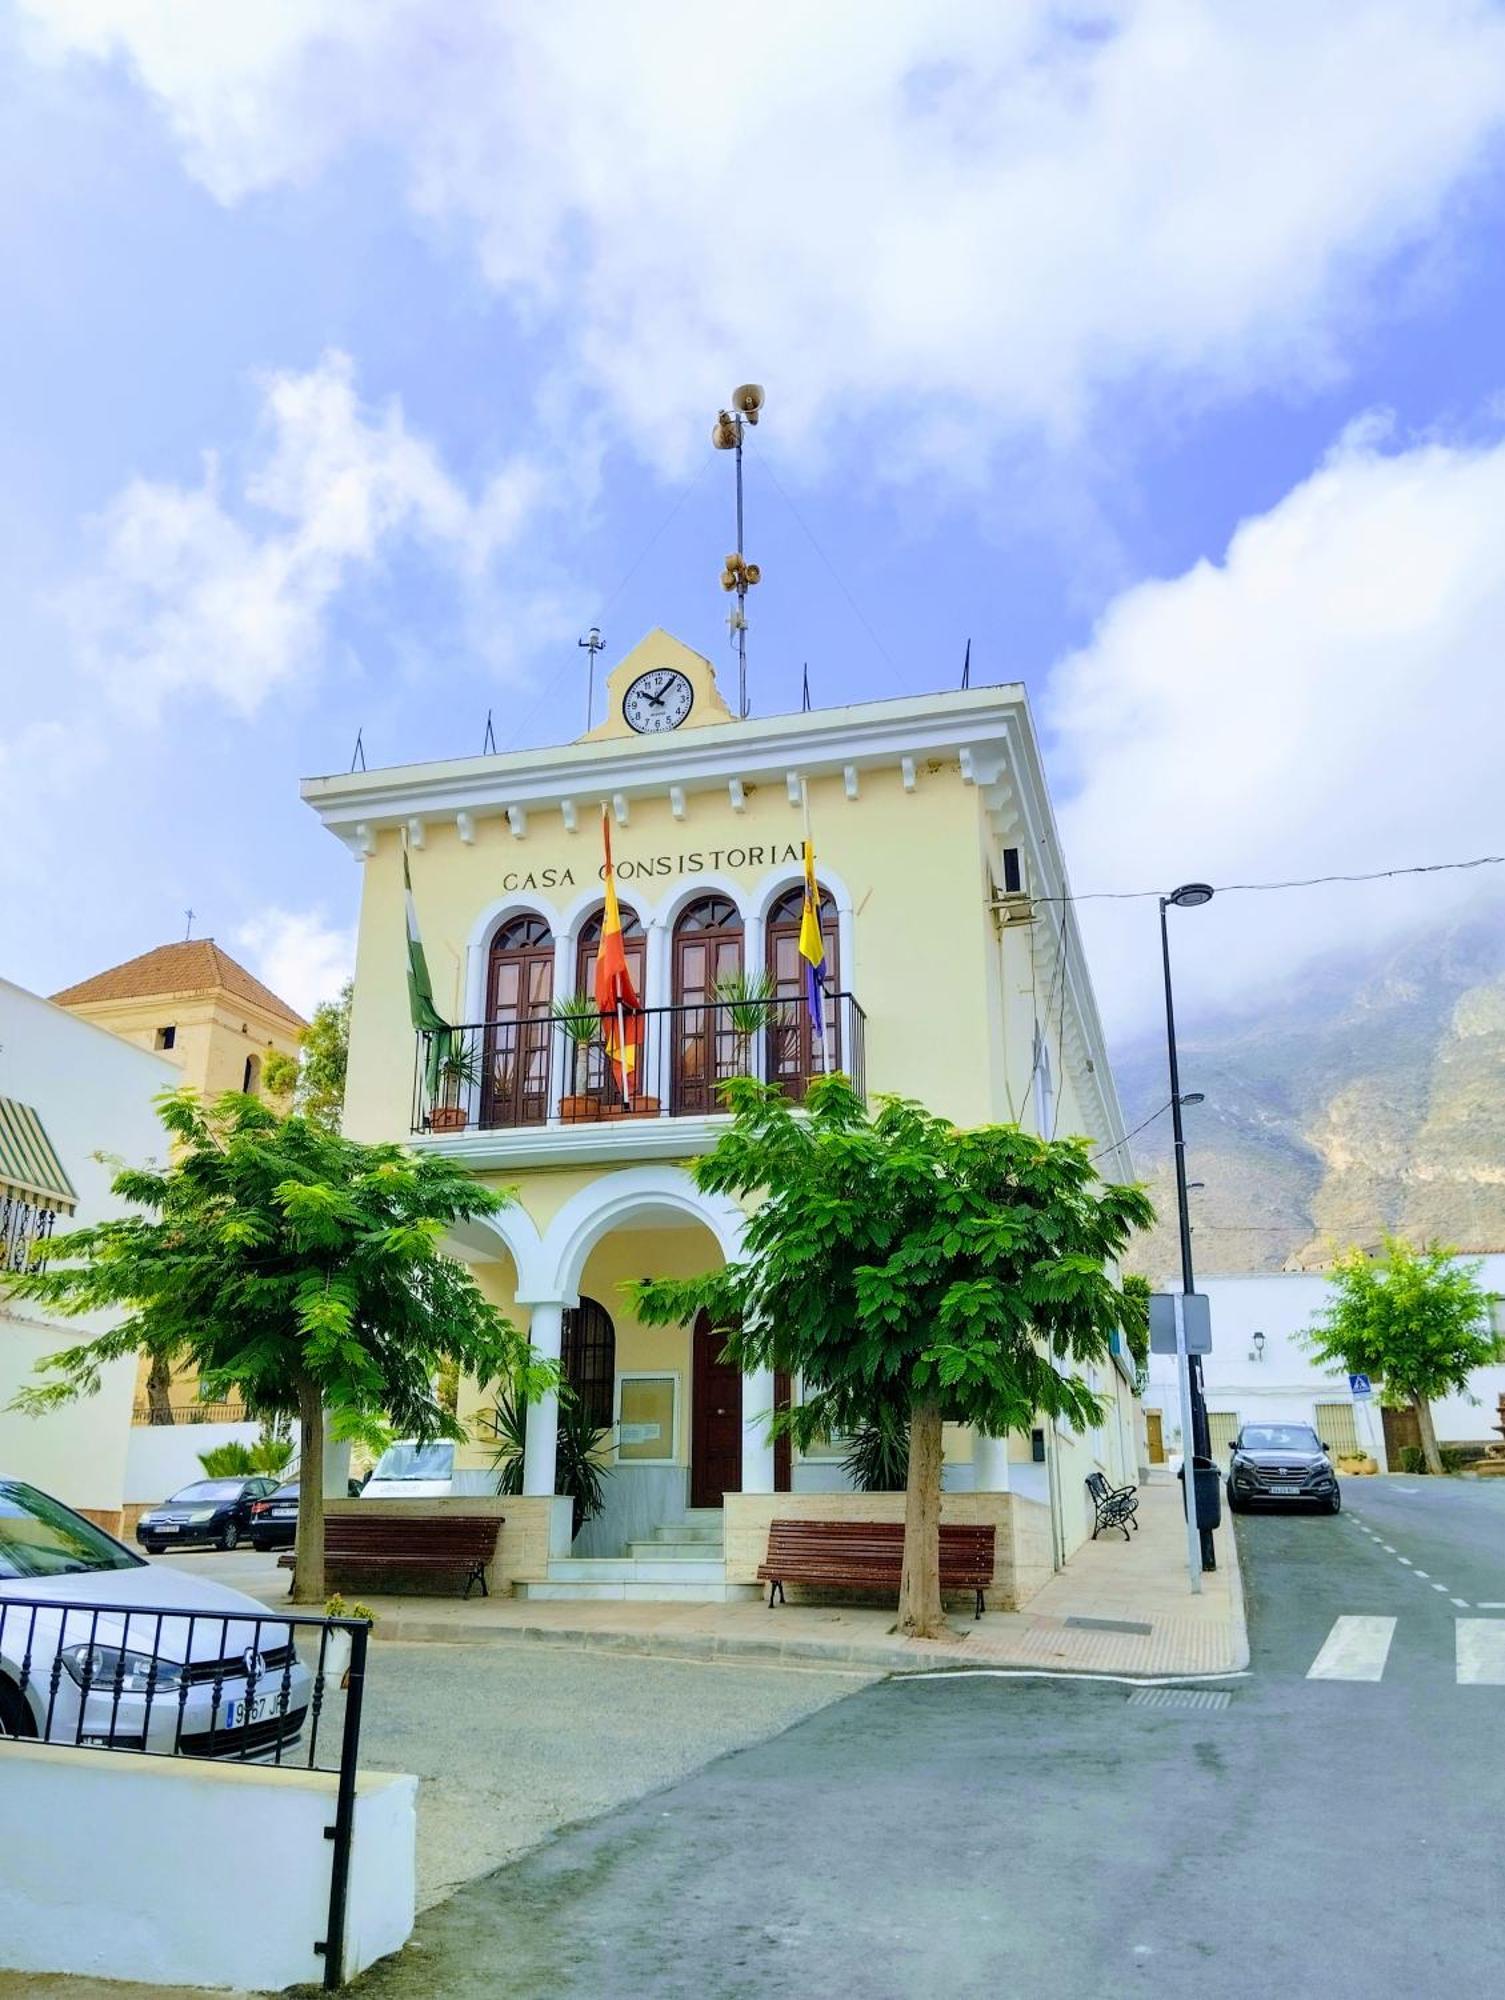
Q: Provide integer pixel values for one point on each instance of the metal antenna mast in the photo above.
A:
(592, 642)
(739, 574)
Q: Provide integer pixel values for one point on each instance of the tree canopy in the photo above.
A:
(1416, 1321)
(894, 1262)
(293, 1265)
(313, 1081)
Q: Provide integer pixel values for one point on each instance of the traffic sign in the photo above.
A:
(1359, 1387)
(1198, 1314)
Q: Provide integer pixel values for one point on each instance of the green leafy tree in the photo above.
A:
(312, 1083)
(295, 1266)
(1136, 1322)
(895, 1262)
(1415, 1321)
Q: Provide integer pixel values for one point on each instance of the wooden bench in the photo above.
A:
(1115, 1506)
(869, 1555)
(402, 1545)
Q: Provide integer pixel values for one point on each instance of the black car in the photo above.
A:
(274, 1520)
(1281, 1465)
(217, 1511)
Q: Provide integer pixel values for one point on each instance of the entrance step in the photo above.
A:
(690, 1530)
(704, 1550)
(626, 1569)
(642, 1593)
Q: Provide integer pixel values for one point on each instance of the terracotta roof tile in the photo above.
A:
(197, 965)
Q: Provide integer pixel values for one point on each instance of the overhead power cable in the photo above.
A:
(1303, 882)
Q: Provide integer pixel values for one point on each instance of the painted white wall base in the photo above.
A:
(84, 1833)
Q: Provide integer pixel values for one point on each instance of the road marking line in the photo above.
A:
(1389, 1551)
(1407, 1561)
(1354, 1650)
(1481, 1652)
(1490, 1604)
(1461, 1602)
(1442, 1587)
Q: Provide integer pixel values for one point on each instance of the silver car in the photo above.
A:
(98, 1647)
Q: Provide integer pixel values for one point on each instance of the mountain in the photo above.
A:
(1370, 1097)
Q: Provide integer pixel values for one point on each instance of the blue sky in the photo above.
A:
(355, 352)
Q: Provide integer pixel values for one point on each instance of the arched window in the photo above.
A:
(707, 1047)
(591, 1085)
(588, 1361)
(250, 1076)
(519, 992)
(634, 946)
(795, 1052)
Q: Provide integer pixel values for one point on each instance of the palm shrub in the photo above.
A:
(877, 1459)
(745, 996)
(578, 1469)
(229, 1461)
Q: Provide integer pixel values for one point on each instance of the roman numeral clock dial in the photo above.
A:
(657, 700)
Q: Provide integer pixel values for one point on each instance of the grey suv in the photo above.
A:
(1281, 1465)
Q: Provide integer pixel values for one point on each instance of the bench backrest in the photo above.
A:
(877, 1547)
(445, 1537)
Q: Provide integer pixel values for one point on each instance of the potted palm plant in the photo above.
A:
(744, 999)
(456, 1072)
(579, 1469)
(580, 1021)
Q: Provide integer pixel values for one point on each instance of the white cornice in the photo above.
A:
(608, 1142)
(722, 757)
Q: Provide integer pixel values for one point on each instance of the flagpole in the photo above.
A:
(827, 1053)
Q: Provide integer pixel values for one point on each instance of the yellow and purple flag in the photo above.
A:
(812, 946)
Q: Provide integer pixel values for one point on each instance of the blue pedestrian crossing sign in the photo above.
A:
(1359, 1387)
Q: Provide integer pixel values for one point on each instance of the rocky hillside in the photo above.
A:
(1370, 1098)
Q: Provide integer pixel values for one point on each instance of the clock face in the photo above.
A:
(657, 700)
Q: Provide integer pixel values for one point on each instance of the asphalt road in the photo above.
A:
(997, 1836)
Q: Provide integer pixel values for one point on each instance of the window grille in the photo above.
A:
(588, 1358)
(24, 1230)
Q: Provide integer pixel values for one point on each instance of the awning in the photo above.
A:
(29, 1168)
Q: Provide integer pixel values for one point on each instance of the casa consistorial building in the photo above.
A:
(952, 973)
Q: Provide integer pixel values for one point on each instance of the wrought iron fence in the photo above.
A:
(191, 1411)
(541, 1070)
(272, 1688)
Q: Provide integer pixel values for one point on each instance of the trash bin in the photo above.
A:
(1209, 1492)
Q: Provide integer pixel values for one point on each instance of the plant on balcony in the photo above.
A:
(580, 1019)
(459, 1068)
(745, 997)
(578, 1468)
(893, 1259)
(294, 1267)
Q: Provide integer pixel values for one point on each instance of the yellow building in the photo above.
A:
(200, 1010)
(934, 839)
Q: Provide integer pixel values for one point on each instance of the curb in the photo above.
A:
(1239, 1614)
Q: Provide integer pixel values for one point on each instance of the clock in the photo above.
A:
(657, 700)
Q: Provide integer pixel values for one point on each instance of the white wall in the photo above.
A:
(95, 1842)
(1286, 1385)
(162, 1457)
(93, 1093)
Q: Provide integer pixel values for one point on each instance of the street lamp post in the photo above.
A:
(1190, 896)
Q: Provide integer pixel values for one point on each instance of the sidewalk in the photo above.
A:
(1076, 1623)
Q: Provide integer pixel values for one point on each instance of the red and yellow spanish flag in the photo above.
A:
(616, 998)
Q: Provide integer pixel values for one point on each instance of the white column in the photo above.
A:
(757, 1445)
(546, 1332)
(336, 1467)
(990, 1463)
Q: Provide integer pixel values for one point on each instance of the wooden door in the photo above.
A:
(1338, 1427)
(794, 1054)
(1154, 1436)
(1402, 1429)
(519, 1027)
(716, 1420)
(707, 1049)
(1222, 1429)
(783, 1452)
(590, 1077)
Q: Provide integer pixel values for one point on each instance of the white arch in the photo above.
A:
(617, 1198)
(513, 1230)
(522, 903)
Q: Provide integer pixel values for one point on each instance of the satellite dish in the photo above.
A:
(748, 400)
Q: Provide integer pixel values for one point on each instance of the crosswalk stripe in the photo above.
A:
(1355, 1650)
(1481, 1652)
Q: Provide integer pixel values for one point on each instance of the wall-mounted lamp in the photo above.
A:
(1259, 1348)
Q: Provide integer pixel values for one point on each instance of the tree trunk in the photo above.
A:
(920, 1613)
(308, 1564)
(1429, 1449)
(159, 1390)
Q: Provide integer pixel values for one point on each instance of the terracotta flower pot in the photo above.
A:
(448, 1118)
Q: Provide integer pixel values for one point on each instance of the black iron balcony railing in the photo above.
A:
(502, 1075)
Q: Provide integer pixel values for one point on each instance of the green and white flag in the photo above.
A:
(427, 1020)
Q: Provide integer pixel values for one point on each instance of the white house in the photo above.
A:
(71, 1096)
(1260, 1371)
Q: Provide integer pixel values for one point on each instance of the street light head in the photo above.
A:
(1191, 895)
(1192, 1097)
(1192, 1186)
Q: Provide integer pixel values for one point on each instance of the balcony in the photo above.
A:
(544, 1075)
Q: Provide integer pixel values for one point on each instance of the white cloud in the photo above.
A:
(197, 588)
(1324, 699)
(302, 957)
(992, 214)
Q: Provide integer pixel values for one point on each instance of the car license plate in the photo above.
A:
(164, 1527)
(235, 1714)
(1285, 1491)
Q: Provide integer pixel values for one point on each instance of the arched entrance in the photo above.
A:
(707, 1049)
(794, 1054)
(519, 993)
